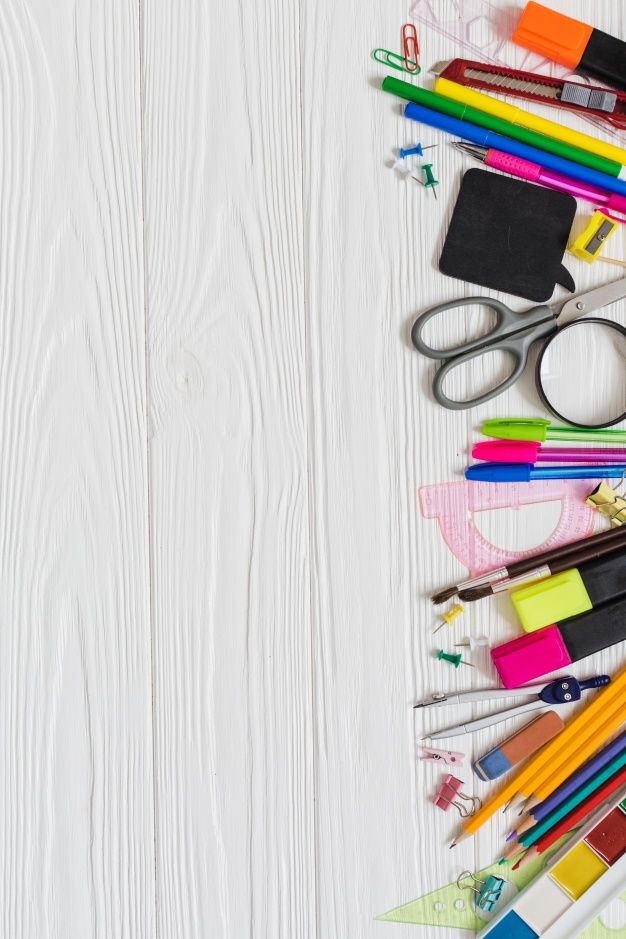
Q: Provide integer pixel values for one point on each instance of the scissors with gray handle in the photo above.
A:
(514, 333)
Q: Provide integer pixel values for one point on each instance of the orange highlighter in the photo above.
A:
(578, 46)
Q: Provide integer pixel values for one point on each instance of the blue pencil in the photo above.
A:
(575, 781)
(487, 138)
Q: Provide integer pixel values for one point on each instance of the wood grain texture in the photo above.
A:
(228, 458)
(214, 572)
(77, 847)
(376, 437)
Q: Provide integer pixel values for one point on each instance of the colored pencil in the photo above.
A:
(487, 138)
(578, 749)
(551, 148)
(588, 725)
(573, 782)
(579, 814)
(480, 128)
(531, 837)
(511, 113)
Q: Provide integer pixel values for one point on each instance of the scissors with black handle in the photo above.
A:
(514, 333)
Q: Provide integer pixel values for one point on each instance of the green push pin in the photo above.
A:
(430, 182)
(454, 658)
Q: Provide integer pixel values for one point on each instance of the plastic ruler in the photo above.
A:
(453, 907)
(455, 505)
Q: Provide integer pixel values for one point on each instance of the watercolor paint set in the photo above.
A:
(579, 880)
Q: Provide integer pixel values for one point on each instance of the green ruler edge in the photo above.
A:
(438, 907)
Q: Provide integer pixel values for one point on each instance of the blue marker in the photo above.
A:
(488, 138)
(525, 472)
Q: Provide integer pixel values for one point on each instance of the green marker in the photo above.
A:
(464, 112)
(539, 430)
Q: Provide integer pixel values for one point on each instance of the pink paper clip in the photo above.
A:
(410, 48)
(448, 794)
(449, 757)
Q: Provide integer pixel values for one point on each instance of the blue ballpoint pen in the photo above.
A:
(525, 472)
(488, 138)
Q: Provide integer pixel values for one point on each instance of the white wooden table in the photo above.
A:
(214, 571)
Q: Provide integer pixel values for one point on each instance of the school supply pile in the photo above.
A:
(513, 233)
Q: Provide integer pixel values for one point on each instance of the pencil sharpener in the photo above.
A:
(591, 241)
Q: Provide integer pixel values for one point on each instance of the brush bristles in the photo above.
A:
(444, 595)
(476, 593)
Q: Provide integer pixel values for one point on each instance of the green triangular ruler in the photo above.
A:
(439, 908)
(449, 906)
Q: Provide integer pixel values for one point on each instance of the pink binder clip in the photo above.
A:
(449, 793)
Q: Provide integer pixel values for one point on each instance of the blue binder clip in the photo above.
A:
(488, 892)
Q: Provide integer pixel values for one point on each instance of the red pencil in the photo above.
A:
(579, 814)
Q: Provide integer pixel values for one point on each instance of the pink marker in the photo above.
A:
(523, 659)
(534, 173)
(527, 451)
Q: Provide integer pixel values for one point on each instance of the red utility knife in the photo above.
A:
(588, 100)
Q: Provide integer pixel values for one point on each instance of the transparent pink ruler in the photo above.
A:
(455, 505)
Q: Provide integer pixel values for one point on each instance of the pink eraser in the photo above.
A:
(525, 658)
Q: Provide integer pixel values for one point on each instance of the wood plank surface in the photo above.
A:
(77, 846)
(376, 438)
(214, 430)
(228, 459)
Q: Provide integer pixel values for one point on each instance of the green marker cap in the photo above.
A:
(517, 428)
(539, 430)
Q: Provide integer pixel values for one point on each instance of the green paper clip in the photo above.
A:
(393, 60)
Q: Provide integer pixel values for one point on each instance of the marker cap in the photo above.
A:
(605, 578)
(572, 592)
(552, 34)
(591, 632)
(574, 44)
(517, 428)
(526, 657)
(551, 600)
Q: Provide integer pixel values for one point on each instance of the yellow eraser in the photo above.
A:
(551, 600)
(590, 242)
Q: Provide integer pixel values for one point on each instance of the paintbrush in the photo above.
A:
(531, 564)
(564, 563)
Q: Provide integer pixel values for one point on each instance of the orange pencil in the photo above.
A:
(577, 815)
(587, 731)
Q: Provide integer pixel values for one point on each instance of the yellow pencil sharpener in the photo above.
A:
(590, 242)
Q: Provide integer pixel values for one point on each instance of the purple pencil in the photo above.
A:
(575, 781)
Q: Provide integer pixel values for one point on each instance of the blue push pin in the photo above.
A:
(417, 150)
